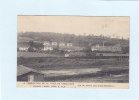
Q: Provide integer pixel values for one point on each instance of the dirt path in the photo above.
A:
(53, 73)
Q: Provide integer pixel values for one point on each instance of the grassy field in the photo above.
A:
(78, 69)
(35, 54)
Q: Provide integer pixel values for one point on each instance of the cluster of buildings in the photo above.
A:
(22, 47)
(50, 46)
(102, 48)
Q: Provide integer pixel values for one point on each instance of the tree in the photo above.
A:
(30, 49)
(38, 46)
(125, 49)
(88, 52)
(31, 43)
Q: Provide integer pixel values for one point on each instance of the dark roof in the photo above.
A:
(23, 70)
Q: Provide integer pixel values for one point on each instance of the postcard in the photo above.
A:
(73, 52)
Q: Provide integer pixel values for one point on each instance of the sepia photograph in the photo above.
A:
(73, 49)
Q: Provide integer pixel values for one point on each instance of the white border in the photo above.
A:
(9, 9)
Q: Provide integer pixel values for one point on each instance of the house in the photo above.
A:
(54, 43)
(46, 43)
(69, 44)
(107, 48)
(71, 48)
(48, 48)
(22, 47)
(62, 44)
(66, 46)
(28, 74)
(66, 55)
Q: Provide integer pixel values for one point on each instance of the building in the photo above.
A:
(28, 74)
(65, 44)
(54, 43)
(71, 48)
(102, 48)
(67, 55)
(61, 44)
(48, 48)
(69, 44)
(23, 47)
(46, 43)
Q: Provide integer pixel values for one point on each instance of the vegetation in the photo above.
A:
(58, 63)
(77, 40)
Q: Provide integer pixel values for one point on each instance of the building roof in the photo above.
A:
(105, 44)
(21, 69)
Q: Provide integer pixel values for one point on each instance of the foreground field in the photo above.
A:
(35, 54)
(79, 69)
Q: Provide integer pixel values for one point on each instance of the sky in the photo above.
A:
(118, 27)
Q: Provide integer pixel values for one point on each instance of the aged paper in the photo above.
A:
(73, 52)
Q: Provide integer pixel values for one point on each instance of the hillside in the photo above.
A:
(79, 40)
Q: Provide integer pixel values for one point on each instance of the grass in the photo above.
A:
(67, 63)
(34, 54)
(111, 69)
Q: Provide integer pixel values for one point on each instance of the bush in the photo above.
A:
(20, 60)
(40, 60)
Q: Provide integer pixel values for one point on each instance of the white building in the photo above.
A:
(46, 43)
(54, 43)
(66, 55)
(23, 47)
(69, 44)
(61, 44)
(48, 48)
(115, 48)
